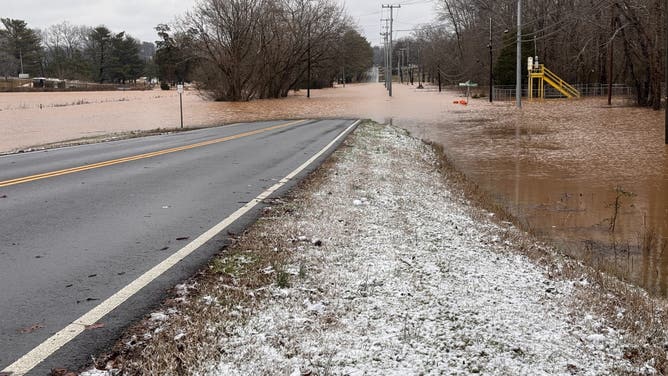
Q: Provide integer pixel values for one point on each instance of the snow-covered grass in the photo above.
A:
(378, 266)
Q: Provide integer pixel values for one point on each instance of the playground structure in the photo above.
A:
(543, 75)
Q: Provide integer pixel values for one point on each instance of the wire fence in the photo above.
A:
(507, 92)
(15, 84)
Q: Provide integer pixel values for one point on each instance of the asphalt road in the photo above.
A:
(71, 237)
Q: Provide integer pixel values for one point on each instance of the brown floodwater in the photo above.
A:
(558, 165)
(591, 177)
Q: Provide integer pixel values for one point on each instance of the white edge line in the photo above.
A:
(30, 360)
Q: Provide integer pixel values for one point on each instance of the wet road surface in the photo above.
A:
(77, 229)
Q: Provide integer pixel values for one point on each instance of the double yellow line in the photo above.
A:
(72, 170)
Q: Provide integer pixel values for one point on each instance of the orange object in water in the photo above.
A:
(463, 102)
(455, 102)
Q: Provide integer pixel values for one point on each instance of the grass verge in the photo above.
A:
(181, 337)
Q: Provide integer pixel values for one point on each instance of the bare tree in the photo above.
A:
(250, 49)
(64, 44)
(576, 38)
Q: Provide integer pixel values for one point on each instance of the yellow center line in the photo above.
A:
(72, 170)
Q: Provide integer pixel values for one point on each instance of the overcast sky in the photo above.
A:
(138, 17)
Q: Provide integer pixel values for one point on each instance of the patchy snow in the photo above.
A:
(209, 300)
(97, 372)
(410, 283)
(159, 316)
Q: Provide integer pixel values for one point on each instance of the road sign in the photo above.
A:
(468, 84)
(179, 89)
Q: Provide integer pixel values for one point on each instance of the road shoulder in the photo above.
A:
(378, 263)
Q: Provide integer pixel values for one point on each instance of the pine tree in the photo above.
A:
(24, 45)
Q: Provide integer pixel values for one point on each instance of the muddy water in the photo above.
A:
(554, 164)
(570, 170)
(30, 119)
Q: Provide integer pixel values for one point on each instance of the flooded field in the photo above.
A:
(591, 177)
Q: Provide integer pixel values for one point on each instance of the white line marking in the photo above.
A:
(60, 339)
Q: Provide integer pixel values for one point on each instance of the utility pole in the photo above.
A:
(666, 73)
(401, 66)
(21, 59)
(408, 60)
(491, 64)
(419, 67)
(518, 78)
(611, 60)
(344, 74)
(391, 8)
(308, 84)
(438, 67)
(387, 56)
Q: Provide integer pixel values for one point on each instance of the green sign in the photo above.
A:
(468, 84)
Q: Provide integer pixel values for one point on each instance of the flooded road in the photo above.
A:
(592, 178)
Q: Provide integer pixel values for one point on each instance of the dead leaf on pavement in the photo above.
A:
(94, 326)
(31, 328)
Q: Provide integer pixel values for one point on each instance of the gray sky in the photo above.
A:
(138, 17)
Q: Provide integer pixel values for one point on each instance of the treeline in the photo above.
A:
(584, 41)
(247, 49)
(233, 49)
(73, 52)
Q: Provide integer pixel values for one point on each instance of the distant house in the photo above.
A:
(43, 82)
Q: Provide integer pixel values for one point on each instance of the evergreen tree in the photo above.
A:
(174, 63)
(506, 64)
(357, 56)
(24, 45)
(125, 64)
(98, 51)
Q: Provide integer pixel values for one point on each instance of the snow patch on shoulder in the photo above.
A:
(412, 284)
